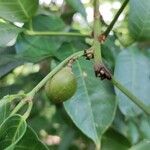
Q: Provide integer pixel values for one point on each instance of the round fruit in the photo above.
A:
(62, 86)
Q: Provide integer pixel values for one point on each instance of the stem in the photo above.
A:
(52, 33)
(30, 25)
(131, 96)
(106, 33)
(18, 107)
(53, 72)
(21, 104)
(27, 113)
(97, 31)
(98, 146)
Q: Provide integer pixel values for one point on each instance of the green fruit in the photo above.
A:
(62, 86)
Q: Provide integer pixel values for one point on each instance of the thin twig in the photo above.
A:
(53, 33)
(109, 28)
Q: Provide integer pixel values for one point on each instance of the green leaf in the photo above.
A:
(144, 127)
(139, 19)
(109, 45)
(18, 10)
(8, 60)
(11, 131)
(30, 141)
(112, 140)
(5, 108)
(144, 145)
(119, 123)
(8, 63)
(67, 48)
(91, 91)
(77, 6)
(35, 48)
(8, 32)
(123, 34)
(93, 106)
(132, 70)
(133, 132)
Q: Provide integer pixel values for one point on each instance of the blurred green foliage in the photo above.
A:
(25, 61)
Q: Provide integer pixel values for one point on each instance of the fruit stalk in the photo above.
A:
(53, 72)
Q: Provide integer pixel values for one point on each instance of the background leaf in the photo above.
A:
(18, 10)
(8, 60)
(30, 141)
(139, 19)
(132, 70)
(8, 33)
(77, 6)
(11, 131)
(144, 145)
(112, 140)
(109, 45)
(35, 48)
(5, 108)
(144, 127)
(133, 132)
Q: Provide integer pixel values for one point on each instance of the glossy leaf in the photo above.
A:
(8, 33)
(132, 70)
(93, 106)
(11, 131)
(77, 6)
(18, 10)
(139, 19)
(30, 141)
(144, 145)
(35, 48)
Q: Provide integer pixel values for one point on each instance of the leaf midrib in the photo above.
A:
(23, 9)
(86, 92)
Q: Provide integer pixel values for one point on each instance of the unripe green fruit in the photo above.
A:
(62, 86)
